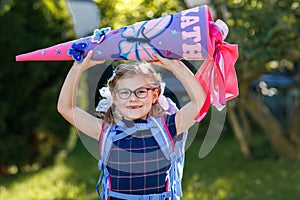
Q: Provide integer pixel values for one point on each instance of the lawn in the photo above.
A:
(223, 174)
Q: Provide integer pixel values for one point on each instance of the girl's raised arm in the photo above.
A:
(66, 105)
(185, 116)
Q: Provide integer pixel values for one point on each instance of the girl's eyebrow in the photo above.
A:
(146, 85)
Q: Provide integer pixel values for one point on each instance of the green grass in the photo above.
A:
(225, 174)
(222, 174)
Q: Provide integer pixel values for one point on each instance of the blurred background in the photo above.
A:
(258, 154)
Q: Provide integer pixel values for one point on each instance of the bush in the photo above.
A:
(31, 130)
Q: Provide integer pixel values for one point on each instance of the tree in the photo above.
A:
(31, 131)
(267, 32)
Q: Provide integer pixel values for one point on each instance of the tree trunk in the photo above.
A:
(271, 127)
(294, 126)
(240, 130)
(294, 131)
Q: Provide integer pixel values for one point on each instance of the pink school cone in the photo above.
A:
(58, 52)
(182, 35)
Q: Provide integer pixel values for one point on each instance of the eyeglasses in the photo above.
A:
(125, 93)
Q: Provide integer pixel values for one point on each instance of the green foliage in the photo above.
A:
(30, 128)
(118, 13)
(265, 30)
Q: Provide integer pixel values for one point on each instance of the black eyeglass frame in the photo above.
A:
(135, 92)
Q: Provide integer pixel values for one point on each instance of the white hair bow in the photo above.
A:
(106, 102)
(162, 100)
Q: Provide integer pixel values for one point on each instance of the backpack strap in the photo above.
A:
(105, 145)
(105, 141)
(163, 138)
(128, 132)
(101, 138)
(160, 196)
(173, 152)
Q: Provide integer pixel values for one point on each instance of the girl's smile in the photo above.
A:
(134, 107)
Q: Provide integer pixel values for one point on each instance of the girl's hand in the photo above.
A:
(88, 62)
(169, 64)
(185, 117)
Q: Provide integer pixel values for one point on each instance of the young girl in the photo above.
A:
(136, 165)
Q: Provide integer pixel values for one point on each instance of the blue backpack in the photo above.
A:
(173, 151)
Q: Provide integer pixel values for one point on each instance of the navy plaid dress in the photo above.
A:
(136, 164)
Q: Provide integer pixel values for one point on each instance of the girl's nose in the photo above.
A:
(133, 97)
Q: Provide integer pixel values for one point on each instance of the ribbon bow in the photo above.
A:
(217, 75)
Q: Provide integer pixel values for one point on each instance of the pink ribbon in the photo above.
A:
(217, 75)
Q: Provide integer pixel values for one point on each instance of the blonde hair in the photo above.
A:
(130, 70)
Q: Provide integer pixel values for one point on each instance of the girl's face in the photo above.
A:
(134, 107)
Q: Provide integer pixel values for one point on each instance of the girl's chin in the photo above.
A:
(131, 118)
(134, 114)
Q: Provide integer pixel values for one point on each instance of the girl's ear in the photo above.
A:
(113, 96)
(155, 95)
